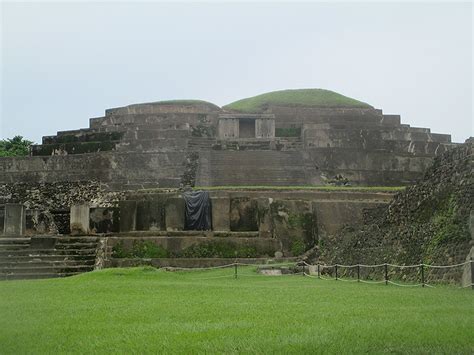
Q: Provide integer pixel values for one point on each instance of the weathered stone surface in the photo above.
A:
(128, 215)
(220, 214)
(14, 220)
(265, 225)
(150, 214)
(294, 225)
(79, 222)
(174, 214)
(243, 214)
(426, 223)
(264, 128)
(156, 145)
(104, 220)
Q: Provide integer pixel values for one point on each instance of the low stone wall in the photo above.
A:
(194, 263)
(186, 245)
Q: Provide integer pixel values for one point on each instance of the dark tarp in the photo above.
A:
(197, 210)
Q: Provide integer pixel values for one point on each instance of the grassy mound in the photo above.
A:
(300, 97)
(144, 310)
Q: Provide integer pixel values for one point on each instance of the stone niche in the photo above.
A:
(246, 126)
(294, 224)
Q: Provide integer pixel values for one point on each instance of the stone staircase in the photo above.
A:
(46, 257)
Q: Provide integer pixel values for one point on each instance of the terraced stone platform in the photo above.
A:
(46, 257)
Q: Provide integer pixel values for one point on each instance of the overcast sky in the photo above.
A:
(64, 63)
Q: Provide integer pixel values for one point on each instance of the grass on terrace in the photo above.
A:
(316, 188)
(284, 188)
(143, 310)
(298, 97)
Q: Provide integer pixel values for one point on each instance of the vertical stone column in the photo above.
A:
(128, 216)
(220, 214)
(174, 214)
(265, 128)
(15, 219)
(228, 128)
(79, 219)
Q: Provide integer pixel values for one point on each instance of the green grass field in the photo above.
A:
(146, 310)
(298, 97)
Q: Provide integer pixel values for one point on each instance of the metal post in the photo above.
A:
(235, 270)
(319, 273)
(358, 272)
(335, 266)
(386, 274)
(422, 275)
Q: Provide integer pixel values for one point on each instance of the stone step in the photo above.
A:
(14, 247)
(45, 269)
(38, 263)
(46, 258)
(194, 262)
(6, 241)
(24, 276)
(79, 245)
(48, 252)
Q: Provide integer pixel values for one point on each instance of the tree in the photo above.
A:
(14, 147)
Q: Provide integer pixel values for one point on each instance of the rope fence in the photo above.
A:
(369, 274)
(353, 273)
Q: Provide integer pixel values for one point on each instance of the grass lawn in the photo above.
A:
(147, 310)
(298, 97)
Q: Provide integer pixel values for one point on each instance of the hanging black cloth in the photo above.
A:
(198, 210)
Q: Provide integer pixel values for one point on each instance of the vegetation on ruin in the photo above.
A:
(288, 132)
(299, 97)
(214, 249)
(144, 310)
(321, 187)
(428, 222)
(14, 147)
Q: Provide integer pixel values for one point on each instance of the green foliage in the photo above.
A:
(148, 249)
(118, 251)
(219, 249)
(300, 97)
(316, 188)
(142, 310)
(203, 131)
(140, 249)
(288, 132)
(298, 247)
(14, 147)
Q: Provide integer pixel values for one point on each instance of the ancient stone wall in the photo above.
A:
(169, 144)
(428, 223)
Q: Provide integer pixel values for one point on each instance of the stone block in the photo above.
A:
(174, 214)
(150, 215)
(79, 219)
(294, 225)
(243, 214)
(220, 214)
(14, 220)
(265, 229)
(228, 128)
(128, 215)
(264, 128)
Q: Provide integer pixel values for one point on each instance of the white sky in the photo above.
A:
(62, 63)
